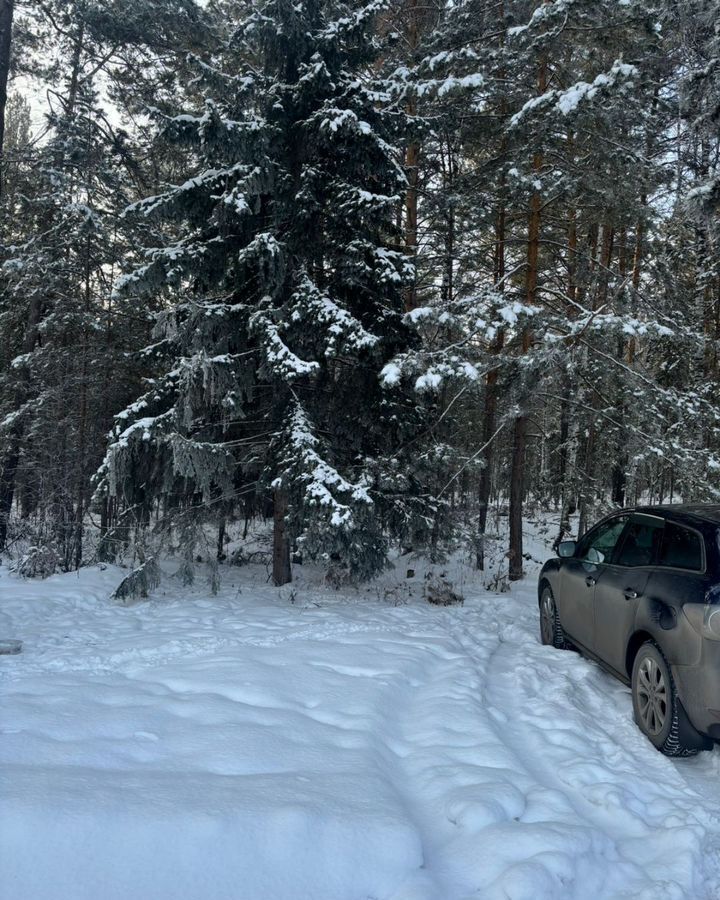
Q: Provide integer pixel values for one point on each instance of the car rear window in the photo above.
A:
(641, 543)
(681, 548)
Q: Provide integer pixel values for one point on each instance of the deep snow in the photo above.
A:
(335, 748)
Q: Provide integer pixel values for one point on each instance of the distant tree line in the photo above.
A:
(361, 268)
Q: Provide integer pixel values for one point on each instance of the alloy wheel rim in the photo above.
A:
(652, 696)
(547, 618)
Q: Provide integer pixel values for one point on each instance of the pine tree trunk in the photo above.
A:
(412, 157)
(563, 437)
(608, 244)
(490, 410)
(491, 381)
(485, 481)
(572, 260)
(11, 459)
(220, 553)
(281, 545)
(519, 447)
(569, 485)
(7, 9)
(605, 244)
(570, 426)
(637, 254)
(448, 288)
(81, 465)
(517, 476)
(566, 383)
(7, 491)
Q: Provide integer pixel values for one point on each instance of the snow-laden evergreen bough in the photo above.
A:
(284, 273)
(64, 353)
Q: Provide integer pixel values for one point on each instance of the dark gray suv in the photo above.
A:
(640, 593)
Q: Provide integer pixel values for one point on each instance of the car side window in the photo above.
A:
(681, 549)
(598, 544)
(641, 543)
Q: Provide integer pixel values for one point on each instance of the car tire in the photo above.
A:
(551, 631)
(655, 702)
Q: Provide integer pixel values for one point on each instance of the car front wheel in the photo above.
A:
(655, 702)
(551, 631)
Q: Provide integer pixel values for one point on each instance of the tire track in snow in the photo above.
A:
(596, 757)
(470, 795)
(546, 802)
(160, 654)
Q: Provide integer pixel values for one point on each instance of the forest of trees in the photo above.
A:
(363, 269)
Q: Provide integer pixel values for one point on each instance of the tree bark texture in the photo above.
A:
(281, 545)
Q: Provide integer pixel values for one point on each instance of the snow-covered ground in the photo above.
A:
(340, 747)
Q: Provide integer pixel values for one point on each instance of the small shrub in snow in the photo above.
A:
(186, 572)
(288, 595)
(38, 562)
(338, 575)
(441, 592)
(213, 577)
(139, 583)
(238, 557)
(499, 583)
(396, 594)
(242, 557)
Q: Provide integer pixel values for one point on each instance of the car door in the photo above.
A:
(621, 584)
(578, 576)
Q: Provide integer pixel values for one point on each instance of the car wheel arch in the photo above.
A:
(544, 583)
(637, 639)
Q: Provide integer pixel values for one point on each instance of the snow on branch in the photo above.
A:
(433, 373)
(440, 87)
(205, 464)
(569, 100)
(467, 326)
(209, 178)
(363, 18)
(267, 250)
(165, 264)
(629, 325)
(323, 487)
(342, 329)
(393, 266)
(212, 124)
(335, 119)
(542, 15)
(279, 357)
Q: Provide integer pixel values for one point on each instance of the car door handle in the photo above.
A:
(630, 594)
(590, 581)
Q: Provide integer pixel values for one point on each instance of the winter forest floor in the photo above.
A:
(338, 747)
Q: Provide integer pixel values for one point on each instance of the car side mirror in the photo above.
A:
(566, 548)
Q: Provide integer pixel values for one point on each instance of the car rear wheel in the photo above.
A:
(551, 631)
(655, 702)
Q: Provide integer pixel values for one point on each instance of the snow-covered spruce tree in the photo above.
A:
(68, 356)
(65, 364)
(285, 282)
(16, 146)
